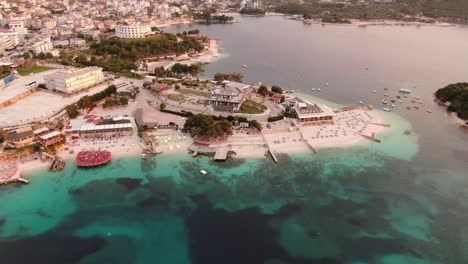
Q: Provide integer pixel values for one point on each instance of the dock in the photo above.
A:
(307, 142)
(13, 175)
(272, 154)
(221, 154)
(379, 124)
(371, 137)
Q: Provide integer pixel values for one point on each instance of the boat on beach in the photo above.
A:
(91, 158)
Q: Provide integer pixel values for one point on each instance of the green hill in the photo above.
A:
(457, 95)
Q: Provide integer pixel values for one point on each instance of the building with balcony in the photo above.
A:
(133, 31)
(73, 81)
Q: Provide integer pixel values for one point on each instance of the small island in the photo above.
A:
(455, 97)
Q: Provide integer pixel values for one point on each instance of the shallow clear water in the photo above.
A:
(401, 201)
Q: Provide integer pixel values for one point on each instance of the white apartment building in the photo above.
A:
(73, 81)
(10, 39)
(44, 46)
(134, 31)
(19, 25)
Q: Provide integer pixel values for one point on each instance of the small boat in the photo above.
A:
(420, 102)
(408, 107)
(204, 172)
(361, 102)
(393, 105)
(144, 156)
(370, 106)
(313, 89)
(386, 94)
(318, 89)
(384, 101)
(386, 109)
(416, 107)
(413, 101)
(374, 91)
(405, 96)
(326, 84)
(243, 65)
(417, 97)
(400, 101)
(403, 90)
(385, 89)
(393, 101)
(398, 97)
(429, 111)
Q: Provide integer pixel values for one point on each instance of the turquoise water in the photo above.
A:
(400, 201)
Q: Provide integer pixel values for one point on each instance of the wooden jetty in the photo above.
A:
(371, 137)
(272, 154)
(221, 154)
(307, 142)
(380, 124)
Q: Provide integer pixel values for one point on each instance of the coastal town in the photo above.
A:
(76, 90)
(92, 115)
(233, 131)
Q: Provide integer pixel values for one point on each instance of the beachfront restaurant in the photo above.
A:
(50, 138)
(21, 136)
(313, 114)
(122, 127)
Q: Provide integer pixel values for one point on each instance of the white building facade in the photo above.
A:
(134, 31)
(73, 81)
(10, 39)
(44, 46)
(18, 25)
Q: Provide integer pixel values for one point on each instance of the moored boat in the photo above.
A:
(404, 90)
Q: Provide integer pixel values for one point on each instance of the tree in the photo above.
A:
(198, 124)
(26, 55)
(255, 124)
(41, 56)
(123, 100)
(146, 84)
(277, 89)
(162, 106)
(263, 90)
(72, 111)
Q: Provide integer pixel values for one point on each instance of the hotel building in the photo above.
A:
(133, 31)
(73, 81)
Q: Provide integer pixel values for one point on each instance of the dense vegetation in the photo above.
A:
(235, 77)
(252, 11)
(4, 71)
(203, 126)
(118, 55)
(397, 10)
(251, 107)
(207, 15)
(457, 95)
(87, 101)
(147, 47)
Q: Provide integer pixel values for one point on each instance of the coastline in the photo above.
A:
(378, 22)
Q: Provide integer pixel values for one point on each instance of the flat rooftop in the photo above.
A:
(18, 86)
(67, 74)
